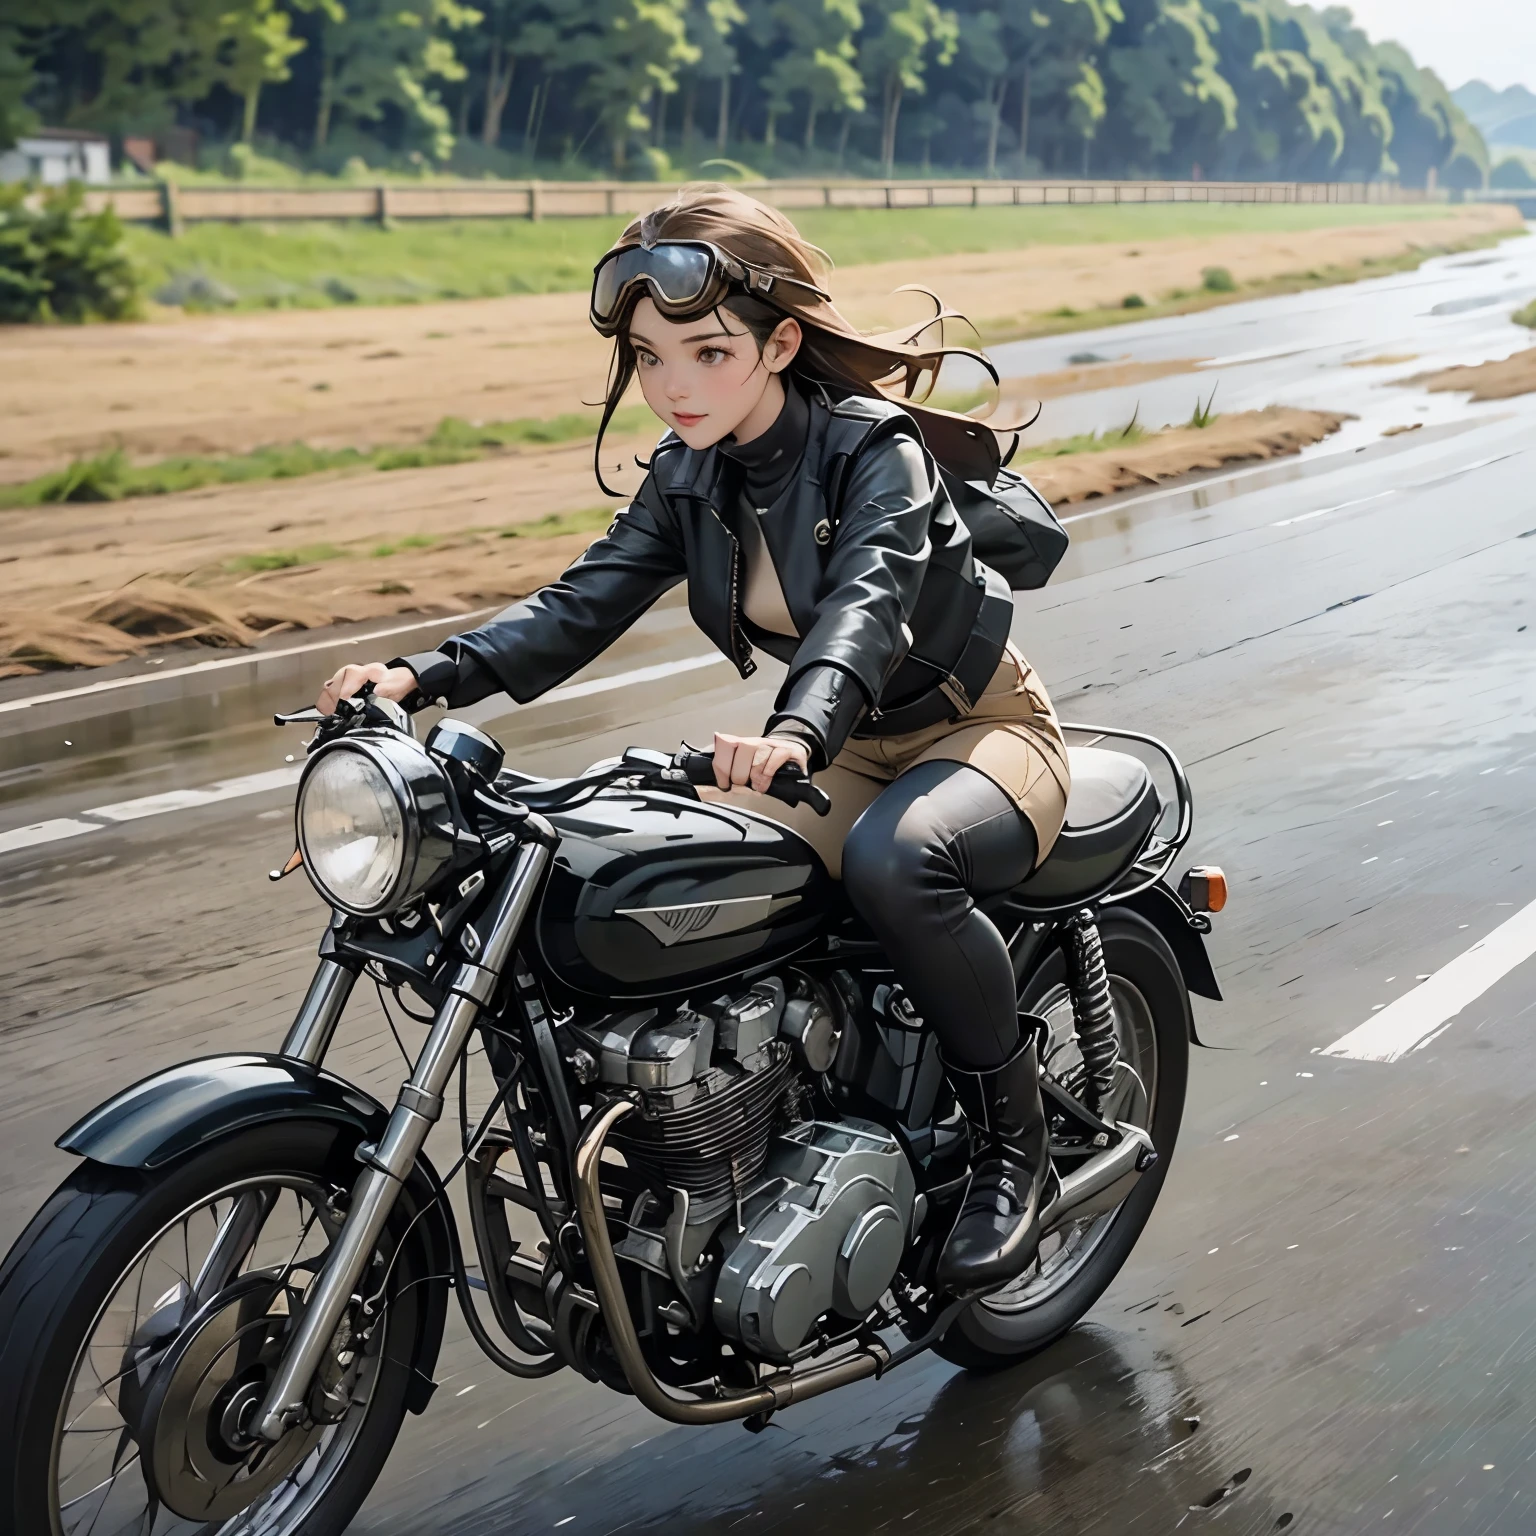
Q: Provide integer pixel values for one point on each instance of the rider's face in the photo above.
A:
(705, 377)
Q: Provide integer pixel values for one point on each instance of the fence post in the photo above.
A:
(170, 208)
(826, 196)
(608, 201)
(535, 213)
(381, 205)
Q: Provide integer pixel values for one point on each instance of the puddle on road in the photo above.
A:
(1093, 1434)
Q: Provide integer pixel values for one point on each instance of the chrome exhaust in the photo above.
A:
(1104, 1180)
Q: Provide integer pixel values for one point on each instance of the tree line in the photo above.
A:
(1250, 89)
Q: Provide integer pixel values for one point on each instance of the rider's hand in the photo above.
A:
(742, 761)
(397, 683)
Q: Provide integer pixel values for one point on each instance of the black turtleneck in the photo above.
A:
(772, 458)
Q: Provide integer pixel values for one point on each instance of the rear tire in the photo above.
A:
(65, 1271)
(984, 1338)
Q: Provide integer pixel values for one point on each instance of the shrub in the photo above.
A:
(1133, 301)
(57, 263)
(195, 291)
(1527, 316)
(1218, 280)
(1512, 175)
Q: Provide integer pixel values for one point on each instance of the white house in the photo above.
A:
(56, 155)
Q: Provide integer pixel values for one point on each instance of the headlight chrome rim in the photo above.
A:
(418, 787)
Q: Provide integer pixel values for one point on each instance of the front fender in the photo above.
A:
(175, 1112)
(188, 1107)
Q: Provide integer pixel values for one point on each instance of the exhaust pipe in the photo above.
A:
(777, 1391)
(1101, 1183)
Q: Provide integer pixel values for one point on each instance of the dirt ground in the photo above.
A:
(353, 377)
(1486, 381)
(115, 590)
(82, 583)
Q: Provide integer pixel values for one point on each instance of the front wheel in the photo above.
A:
(1078, 1260)
(141, 1316)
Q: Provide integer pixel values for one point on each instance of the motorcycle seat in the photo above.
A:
(1111, 811)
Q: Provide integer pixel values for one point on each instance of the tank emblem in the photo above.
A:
(705, 919)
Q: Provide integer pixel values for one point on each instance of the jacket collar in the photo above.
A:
(702, 473)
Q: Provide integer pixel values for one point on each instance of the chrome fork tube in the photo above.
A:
(308, 1039)
(309, 1036)
(418, 1106)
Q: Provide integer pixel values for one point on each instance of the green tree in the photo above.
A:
(125, 63)
(710, 27)
(902, 37)
(630, 51)
(1170, 104)
(814, 58)
(256, 44)
(16, 82)
(381, 53)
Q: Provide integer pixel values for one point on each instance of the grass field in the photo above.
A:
(309, 265)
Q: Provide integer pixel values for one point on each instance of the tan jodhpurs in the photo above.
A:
(1011, 735)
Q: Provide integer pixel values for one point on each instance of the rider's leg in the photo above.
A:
(942, 834)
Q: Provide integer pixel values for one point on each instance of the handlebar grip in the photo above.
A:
(789, 784)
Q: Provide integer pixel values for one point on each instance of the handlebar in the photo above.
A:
(789, 784)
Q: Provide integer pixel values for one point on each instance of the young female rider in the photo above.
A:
(808, 514)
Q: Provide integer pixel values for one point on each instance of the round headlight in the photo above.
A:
(372, 823)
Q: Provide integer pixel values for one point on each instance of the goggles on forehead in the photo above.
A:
(683, 277)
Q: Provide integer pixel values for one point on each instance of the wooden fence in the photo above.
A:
(174, 207)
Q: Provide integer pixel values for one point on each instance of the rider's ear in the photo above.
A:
(780, 348)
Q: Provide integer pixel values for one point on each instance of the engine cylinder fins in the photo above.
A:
(714, 1147)
(1093, 1010)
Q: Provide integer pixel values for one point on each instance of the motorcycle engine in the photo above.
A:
(803, 1219)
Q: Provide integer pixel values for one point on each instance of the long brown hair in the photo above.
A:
(902, 366)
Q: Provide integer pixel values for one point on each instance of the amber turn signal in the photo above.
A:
(1204, 888)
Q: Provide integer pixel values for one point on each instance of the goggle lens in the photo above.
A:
(677, 274)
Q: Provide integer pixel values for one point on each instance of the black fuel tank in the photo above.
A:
(654, 893)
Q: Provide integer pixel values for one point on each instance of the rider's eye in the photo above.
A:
(711, 355)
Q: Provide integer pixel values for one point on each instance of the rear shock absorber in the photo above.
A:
(1093, 1010)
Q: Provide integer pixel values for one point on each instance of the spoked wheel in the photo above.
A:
(142, 1318)
(1078, 1260)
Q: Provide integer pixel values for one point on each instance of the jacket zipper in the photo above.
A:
(740, 655)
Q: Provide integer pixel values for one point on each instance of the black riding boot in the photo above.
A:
(997, 1233)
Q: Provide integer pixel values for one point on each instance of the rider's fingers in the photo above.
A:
(725, 755)
(766, 761)
(741, 764)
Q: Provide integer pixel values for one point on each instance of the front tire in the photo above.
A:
(1145, 980)
(78, 1298)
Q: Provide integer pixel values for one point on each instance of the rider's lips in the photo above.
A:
(687, 418)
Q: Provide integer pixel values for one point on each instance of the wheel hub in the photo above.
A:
(198, 1451)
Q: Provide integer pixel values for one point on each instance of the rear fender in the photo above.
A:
(1178, 925)
(188, 1107)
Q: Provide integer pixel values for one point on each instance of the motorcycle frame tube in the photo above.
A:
(417, 1108)
(779, 1391)
(314, 1026)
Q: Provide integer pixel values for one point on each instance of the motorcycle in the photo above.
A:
(717, 1166)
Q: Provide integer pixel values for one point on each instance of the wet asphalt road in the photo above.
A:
(1330, 1325)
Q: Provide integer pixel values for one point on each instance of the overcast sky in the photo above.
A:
(1461, 40)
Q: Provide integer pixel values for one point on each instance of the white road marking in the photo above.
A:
(281, 778)
(45, 832)
(1306, 517)
(1417, 1017)
(244, 659)
(187, 799)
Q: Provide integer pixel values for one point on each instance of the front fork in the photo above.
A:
(417, 1108)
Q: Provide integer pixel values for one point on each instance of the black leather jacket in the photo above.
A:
(900, 626)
